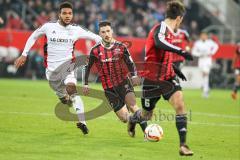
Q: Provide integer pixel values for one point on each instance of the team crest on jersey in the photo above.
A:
(53, 32)
(117, 51)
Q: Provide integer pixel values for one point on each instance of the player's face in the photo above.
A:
(179, 20)
(66, 15)
(203, 36)
(106, 33)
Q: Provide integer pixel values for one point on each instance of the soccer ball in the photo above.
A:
(153, 133)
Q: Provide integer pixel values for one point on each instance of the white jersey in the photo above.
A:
(60, 42)
(204, 50)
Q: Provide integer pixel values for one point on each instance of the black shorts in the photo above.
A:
(116, 95)
(152, 92)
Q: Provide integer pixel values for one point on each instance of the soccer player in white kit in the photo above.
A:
(205, 48)
(59, 57)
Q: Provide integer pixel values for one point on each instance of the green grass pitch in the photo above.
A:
(29, 129)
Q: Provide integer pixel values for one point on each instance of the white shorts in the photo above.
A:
(205, 69)
(205, 65)
(59, 79)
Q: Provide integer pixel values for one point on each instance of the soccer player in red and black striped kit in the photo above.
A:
(161, 77)
(114, 64)
(236, 67)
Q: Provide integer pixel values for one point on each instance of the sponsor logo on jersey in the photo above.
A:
(110, 59)
(61, 40)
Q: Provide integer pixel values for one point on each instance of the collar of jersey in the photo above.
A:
(170, 29)
(58, 23)
(109, 46)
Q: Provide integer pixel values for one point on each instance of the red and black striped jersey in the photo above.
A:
(181, 39)
(113, 64)
(159, 51)
(236, 61)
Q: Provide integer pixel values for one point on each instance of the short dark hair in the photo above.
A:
(65, 5)
(104, 23)
(174, 9)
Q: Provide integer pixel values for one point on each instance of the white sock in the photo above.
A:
(79, 108)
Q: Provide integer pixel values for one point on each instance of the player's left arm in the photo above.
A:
(188, 40)
(87, 69)
(131, 67)
(161, 43)
(179, 73)
(214, 47)
(187, 36)
(86, 34)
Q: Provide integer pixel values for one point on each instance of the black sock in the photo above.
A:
(143, 125)
(136, 117)
(181, 124)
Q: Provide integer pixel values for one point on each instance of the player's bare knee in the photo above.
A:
(132, 104)
(71, 89)
(123, 119)
(180, 107)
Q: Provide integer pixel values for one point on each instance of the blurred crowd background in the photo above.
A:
(130, 17)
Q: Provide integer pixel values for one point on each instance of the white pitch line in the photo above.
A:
(105, 118)
(28, 113)
(207, 114)
(165, 110)
(215, 124)
(204, 123)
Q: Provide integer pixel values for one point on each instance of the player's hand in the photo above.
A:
(187, 55)
(1, 21)
(20, 61)
(182, 76)
(179, 73)
(136, 80)
(85, 90)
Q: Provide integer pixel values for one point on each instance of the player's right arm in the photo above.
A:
(88, 67)
(30, 42)
(237, 53)
(1, 20)
(161, 43)
(195, 50)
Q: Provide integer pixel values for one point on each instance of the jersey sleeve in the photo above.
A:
(238, 50)
(86, 34)
(91, 61)
(33, 37)
(187, 36)
(195, 50)
(129, 62)
(214, 47)
(161, 43)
